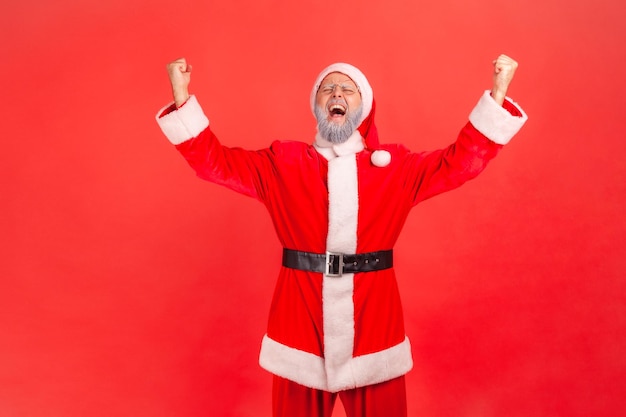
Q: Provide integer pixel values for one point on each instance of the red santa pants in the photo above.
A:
(387, 399)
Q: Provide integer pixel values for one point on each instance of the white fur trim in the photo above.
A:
(494, 121)
(337, 292)
(381, 366)
(354, 144)
(355, 74)
(343, 204)
(296, 365)
(308, 369)
(381, 158)
(184, 123)
(338, 313)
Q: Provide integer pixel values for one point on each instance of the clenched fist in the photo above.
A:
(503, 71)
(180, 76)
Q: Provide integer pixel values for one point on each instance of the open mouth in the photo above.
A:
(337, 110)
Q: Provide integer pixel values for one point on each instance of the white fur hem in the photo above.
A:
(494, 121)
(296, 365)
(308, 369)
(184, 123)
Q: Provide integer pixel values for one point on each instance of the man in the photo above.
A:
(338, 204)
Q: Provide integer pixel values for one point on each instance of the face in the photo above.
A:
(338, 107)
(337, 96)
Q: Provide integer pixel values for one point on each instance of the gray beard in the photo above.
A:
(333, 132)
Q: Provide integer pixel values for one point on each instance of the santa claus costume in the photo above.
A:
(336, 323)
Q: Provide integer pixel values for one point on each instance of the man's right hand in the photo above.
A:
(180, 76)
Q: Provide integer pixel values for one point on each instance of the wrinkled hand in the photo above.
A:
(503, 71)
(180, 77)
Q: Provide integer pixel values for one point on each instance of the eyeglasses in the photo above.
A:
(346, 89)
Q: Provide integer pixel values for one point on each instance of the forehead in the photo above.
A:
(336, 78)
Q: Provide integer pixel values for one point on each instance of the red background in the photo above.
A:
(130, 288)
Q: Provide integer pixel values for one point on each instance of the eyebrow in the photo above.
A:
(339, 82)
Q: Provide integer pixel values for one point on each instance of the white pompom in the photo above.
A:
(381, 158)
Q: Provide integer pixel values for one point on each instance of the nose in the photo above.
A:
(337, 91)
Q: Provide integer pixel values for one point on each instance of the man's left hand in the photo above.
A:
(503, 71)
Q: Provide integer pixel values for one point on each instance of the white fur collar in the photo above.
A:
(353, 145)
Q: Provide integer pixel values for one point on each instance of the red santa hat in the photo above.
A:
(367, 128)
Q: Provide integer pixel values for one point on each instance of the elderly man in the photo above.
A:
(338, 204)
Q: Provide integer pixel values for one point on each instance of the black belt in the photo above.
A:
(334, 264)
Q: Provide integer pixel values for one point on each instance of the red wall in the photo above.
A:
(130, 288)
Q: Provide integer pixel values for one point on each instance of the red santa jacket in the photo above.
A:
(336, 333)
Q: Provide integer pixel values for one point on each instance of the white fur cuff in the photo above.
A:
(494, 121)
(184, 123)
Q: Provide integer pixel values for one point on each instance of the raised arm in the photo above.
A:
(187, 127)
(492, 123)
